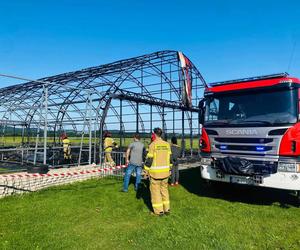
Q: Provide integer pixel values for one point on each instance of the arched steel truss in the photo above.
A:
(129, 95)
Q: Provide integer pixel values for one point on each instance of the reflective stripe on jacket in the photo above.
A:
(160, 152)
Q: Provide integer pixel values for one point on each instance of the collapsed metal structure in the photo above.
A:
(126, 96)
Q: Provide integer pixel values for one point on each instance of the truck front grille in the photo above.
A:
(240, 145)
(244, 148)
(243, 140)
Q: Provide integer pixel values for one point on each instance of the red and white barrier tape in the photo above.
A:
(91, 171)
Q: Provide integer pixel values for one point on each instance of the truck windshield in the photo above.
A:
(265, 108)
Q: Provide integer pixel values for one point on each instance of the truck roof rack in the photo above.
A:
(256, 78)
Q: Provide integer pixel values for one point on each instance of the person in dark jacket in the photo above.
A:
(176, 153)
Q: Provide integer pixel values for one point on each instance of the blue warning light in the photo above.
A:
(260, 148)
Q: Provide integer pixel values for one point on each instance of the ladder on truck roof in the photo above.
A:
(248, 79)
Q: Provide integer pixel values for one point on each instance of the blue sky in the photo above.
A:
(224, 39)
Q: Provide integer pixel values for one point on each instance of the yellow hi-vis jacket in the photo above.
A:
(66, 144)
(158, 161)
(67, 148)
(108, 144)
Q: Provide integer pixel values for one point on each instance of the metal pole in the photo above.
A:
(85, 123)
(163, 123)
(23, 133)
(102, 122)
(121, 121)
(150, 118)
(95, 139)
(100, 144)
(173, 122)
(28, 134)
(137, 117)
(182, 137)
(45, 122)
(14, 133)
(170, 78)
(90, 127)
(161, 80)
(191, 133)
(42, 104)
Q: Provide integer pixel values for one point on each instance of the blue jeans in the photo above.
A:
(128, 172)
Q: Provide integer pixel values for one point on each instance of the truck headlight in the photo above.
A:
(286, 167)
(206, 161)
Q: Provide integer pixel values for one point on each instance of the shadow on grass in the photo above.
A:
(191, 180)
(144, 193)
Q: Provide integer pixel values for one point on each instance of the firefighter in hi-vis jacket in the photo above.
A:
(66, 148)
(158, 164)
(109, 145)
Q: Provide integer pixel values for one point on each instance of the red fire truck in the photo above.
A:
(251, 132)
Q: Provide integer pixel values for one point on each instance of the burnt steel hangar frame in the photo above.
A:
(126, 96)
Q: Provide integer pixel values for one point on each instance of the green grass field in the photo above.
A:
(95, 215)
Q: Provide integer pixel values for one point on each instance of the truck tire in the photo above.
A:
(207, 183)
(216, 186)
(298, 198)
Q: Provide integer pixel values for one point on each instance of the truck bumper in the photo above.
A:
(280, 180)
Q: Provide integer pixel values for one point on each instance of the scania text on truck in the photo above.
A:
(251, 132)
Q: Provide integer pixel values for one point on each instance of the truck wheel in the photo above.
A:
(213, 185)
(207, 183)
(298, 198)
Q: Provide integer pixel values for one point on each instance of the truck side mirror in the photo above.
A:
(201, 114)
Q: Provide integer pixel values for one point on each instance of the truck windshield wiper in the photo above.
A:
(218, 122)
(255, 122)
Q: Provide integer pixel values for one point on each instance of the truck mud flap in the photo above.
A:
(240, 166)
